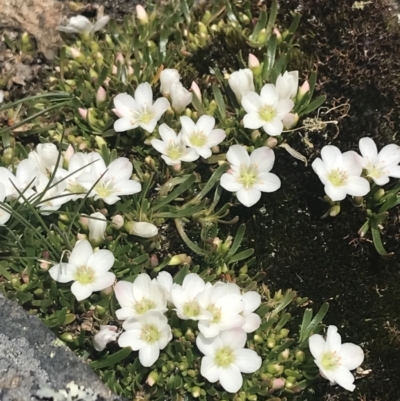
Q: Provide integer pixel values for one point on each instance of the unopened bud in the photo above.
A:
(196, 90)
(100, 142)
(83, 113)
(334, 210)
(278, 35)
(142, 14)
(300, 356)
(117, 222)
(180, 259)
(271, 142)
(196, 392)
(262, 36)
(152, 378)
(303, 90)
(379, 194)
(254, 64)
(101, 96)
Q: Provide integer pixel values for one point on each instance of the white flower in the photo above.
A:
(226, 359)
(184, 298)
(104, 336)
(109, 182)
(139, 297)
(287, 85)
(266, 110)
(172, 148)
(180, 97)
(45, 157)
(4, 214)
(81, 24)
(97, 227)
(139, 111)
(380, 166)
(49, 194)
(340, 173)
(23, 180)
(88, 270)
(201, 136)
(225, 303)
(252, 300)
(241, 83)
(141, 229)
(147, 334)
(164, 279)
(250, 175)
(334, 359)
(168, 77)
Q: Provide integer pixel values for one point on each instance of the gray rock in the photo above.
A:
(35, 365)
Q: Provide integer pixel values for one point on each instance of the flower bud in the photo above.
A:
(67, 337)
(196, 90)
(152, 378)
(196, 392)
(180, 259)
(101, 96)
(100, 142)
(300, 356)
(68, 154)
(379, 194)
(141, 229)
(84, 221)
(241, 82)
(262, 36)
(97, 228)
(180, 97)
(142, 14)
(104, 336)
(278, 383)
(154, 260)
(168, 77)
(275, 368)
(254, 64)
(290, 120)
(334, 210)
(278, 35)
(117, 222)
(303, 90)
(83, 113)
(80, 236)
(76, 54)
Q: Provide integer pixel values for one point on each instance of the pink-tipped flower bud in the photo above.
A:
(69, 153)
(117, 221)
(196, 90)
(142, 14)
(278, 383)
(277, 33)
(303, 90)
(101, 96)
(120, 58)
(253, 61)
(83, 113)
(154, 260)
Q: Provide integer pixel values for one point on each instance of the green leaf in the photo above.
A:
(241, 256)
(220, 101)
(179, 277)
(262, 21)
(238, 240)
(377, 240)
(112, 359)
(272, 16)
(315, 104)
(308, 326)
(269, 58)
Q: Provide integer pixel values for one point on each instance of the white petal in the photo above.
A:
(267, 182)
(149, 354)
(142, 287)
(168, 135)
(207, 346)
(205, 153)
(101, 261)
(357, 186)
(129, 187)
(333, 339)
(335, 193)
(352, 163)
(80, 23)
(62, 272)
(144, 229)
(237, 155)
(131, 338)
(390, 154)
(393, 171)
(317, 346)
(188, 125)
(81, 291)
(264, 158)
(234, 339)
(283, 107)
(190, 155)
(344, 378)
(274, 127)
(247, 360)
(205, 124)
(268, 94)
(216, 137)
(351, 356)
(368, 148)
(252, 300)
(231, 379)
(252, 102)
(81, 253)
(252, 322)
(159, 146)
(209, 370)
(125, 313)
(252, 120)
(319, 168)
(124, 293)
(144, 95)
(248, 197)
(104, 281)
(101, 23)
(125, 103)
(150, 126)
(160, 106)
(331, 156)
(120, 169)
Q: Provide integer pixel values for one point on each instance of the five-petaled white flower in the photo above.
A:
(139, 297)
(250, 175)
(147, 334)
(266, 110)
(241, 82)
(226, 359)
(334, 359)
(380, 166)
(139, 111)
(104, 336)
(340, 173)
(45, 157)
(109, 182)
(201, 136)
(172, 148)
(88, 270)
(81, 24)
(184, 298)
(226, 305)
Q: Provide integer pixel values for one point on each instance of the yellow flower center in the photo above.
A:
(150, 333)
(248, 176)
(330, 361)
(84, 275)
(216, 312)
(267, 113)
(145, 117)
(144, 305)
(191, 308)
(224, 357)
(174, 152)
(337, 178)
(198, 139)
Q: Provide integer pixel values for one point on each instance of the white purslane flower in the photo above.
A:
(287, 85)
(266, 110)
(226, 359)
(141, 229)
(180, 97)
(340, 173)
(168, 77)
(4, 213)
(250, 175)
(81, 24)
(241, 83)
(89, 271)
(226, 305)
(97, 227)
(201, 136)
(164, 279)
(334, 359)
(139, 111)
(172, 148)
(184, 298)
(105, 336)
(252, 300)
(380, 166)
(147, 334)
(45, 157)
(109, 182)
(139, 297)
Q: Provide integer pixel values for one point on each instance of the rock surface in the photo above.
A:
(35, 365)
